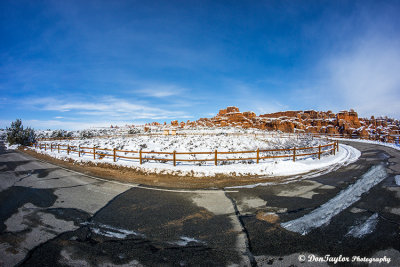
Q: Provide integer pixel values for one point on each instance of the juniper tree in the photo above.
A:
(16, 134)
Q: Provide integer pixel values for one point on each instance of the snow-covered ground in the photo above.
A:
(193, 143)
(8, 146)
(209, 143)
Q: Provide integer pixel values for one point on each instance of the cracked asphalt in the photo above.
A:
(50, 216)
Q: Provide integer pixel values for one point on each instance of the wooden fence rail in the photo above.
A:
(390, 138)
(100, 153)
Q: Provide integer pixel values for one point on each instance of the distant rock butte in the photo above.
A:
(346, 123)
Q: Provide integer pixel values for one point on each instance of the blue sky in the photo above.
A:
(75, 64)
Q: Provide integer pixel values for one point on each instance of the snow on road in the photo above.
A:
(365, 228)
(397, 179)
(184, 241)
(110, 231)
(391, 145)
(323, 215)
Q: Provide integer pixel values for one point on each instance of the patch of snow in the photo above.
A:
(110, 231)
(10, 147)
(365, 228)
(397, 179)
(324, 214)
(184, 241)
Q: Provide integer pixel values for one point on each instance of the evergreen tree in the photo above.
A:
(16, 134)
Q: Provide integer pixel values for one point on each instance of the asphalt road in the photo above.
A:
(51, 216)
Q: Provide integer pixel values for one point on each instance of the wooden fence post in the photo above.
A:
(174, 158)
(334, 148)
(258, 155)
(51, 147)
(337, 145)
(140, 156)
(94, 152)
(58, 148)
(114, 155)
(294, 154)
(216, 158)
(79, 151)
(319, 151)
(45, 147)
(68, 149)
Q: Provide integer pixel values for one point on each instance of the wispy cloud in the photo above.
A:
(366, 77)
(74, 125)
(160, 91)
(108, 107)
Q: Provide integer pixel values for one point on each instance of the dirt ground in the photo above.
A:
(125, 174)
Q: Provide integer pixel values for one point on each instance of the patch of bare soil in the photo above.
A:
(268, 217)
(126, 174)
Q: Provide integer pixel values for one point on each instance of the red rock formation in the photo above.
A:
(345, 123)
(249, 114)
(290, 114)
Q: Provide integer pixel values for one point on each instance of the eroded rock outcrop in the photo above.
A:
(345, 123)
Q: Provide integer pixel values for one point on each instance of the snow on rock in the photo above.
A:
(365, 228)
(324, 214)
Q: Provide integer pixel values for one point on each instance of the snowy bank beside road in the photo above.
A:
(274, 167)
(270, 167)
(391, 145)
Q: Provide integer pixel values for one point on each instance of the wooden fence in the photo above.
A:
(269, 134)
(141, 155)
(389, 138)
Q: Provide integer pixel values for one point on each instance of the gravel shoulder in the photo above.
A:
(125, 174)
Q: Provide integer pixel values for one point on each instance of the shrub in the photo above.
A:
(60, 134)
(16, 134)
(133, 131)
(86, 134)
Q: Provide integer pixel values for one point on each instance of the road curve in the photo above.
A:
(51, 216)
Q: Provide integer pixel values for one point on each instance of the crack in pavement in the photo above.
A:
(249, 253)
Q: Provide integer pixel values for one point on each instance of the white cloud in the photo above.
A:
(107, 107)
(366, 78)
(74, 125)
(160, 91)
